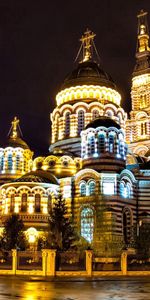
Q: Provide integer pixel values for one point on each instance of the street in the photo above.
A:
(105, 289)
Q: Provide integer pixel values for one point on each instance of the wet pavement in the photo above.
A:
(102, 289)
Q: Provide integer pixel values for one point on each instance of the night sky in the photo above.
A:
(39, 41)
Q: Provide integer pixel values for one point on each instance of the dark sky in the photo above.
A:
(39, 41)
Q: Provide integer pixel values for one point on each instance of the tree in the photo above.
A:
(61, 234)
(143, 240)
(13, 235)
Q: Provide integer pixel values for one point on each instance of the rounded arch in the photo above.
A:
(82, 174)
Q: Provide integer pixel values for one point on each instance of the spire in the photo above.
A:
(142, 65)
(15, 130)
(143, 33)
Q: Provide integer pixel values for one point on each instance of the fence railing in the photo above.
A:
(49, 262)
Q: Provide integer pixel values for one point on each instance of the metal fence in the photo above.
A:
(29, 260)
(138, 263)
(70, 261)
(6, 260)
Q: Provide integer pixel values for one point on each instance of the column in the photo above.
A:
(89, 262)
(51, 256)
(124, 262)
(14, 261)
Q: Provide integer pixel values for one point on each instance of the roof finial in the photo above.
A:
(14, 131)
(143, 33)
(87, 43)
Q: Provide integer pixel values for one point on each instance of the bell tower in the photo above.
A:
(138, 127)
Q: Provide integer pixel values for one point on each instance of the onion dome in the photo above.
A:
(88, 73)
(103, 121)
(38, 176)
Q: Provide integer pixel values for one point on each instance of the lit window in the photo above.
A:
(12, 203)
(108, 188)
(92, 186)
(24, 202)
(49, 206)
(101, 143)
(1, 163)
(9, 162)
(80, 121)
(37, 203)
(87, 224)
(125, 190)
(83, 189)
(18, 162)
(91, 145)
(111, 143)
(122, 189)
(67, 124)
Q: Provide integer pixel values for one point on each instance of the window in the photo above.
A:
(125, 190)
(83, 189)
(9, 162)
(87, 224)
(1, 163)
(92, 186)
(143, 128)
(95, 114)
(111, 143)
(37, 203)
(12, 203)
(67, 124)
(80, 121)
(49, 206)
(101, 143)
(122, 189)
(24, 202)
(18, 162)
(91, 145)
(108, 188)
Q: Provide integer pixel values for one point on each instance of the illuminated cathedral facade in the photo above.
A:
(98, 158)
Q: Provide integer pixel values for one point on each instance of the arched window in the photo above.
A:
(91, 145)
(1, 163)
(80, 121)
(128, 190)
(127, 225)
(56, 132)
(24, 202)
(67, 124)
(92, 186)
(83, 189)
(95, 114)
(101, 143)
(143, 128)
(12, 203)
(37, 203)
(9, 162)
(122, 189)
(121, 149)
(111, 143)
(87, 224)
(49, 205)
(18, 162)
(125, 190)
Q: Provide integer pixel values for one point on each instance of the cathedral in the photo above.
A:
(98, 157)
